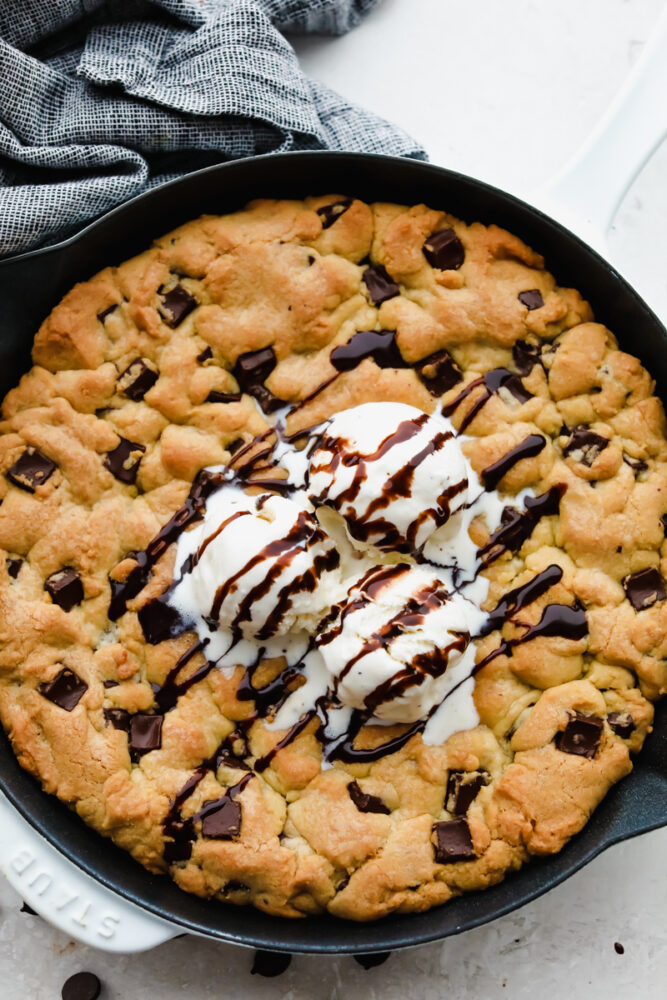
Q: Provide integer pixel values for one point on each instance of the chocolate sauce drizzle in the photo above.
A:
(491, 383)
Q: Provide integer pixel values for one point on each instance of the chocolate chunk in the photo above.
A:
(503, 378)
(31, 470)
(636, 464)
(585, 445)
(221, 819)
(82, 986)
(371, 961)
(26, 908)
(366, 803)
(439, 372)
(270, 963)
(13, 567)
(65, 588)
(176, 304)
(65, 690)
(462, 789)
(663, 522)
(330, 213)
(380, 345)
(110, 684)
(453, 841)
(645, 588)
(254, 367)
(119, 718)
(622, 724)
(581, 736)
(223, 397)
(145, 732)
(531, 299)
(444, 250)
(205, 355)
(123, 461)
(106, 312)
(159, 621)
(139, 376)
(525, 356)
(380, 286)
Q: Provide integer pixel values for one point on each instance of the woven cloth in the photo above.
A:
(102, 100)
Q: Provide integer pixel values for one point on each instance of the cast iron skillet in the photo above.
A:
(31, 285)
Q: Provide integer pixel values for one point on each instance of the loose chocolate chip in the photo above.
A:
(585, 445)
(205, 355)
(223, 397)
(525, 356)
(581, 736)
(31, 470)
(82, 986)
(380, 286)
(462, 789)
(453, 841)
(25, 908)
(123, 461)
(221, 819)
(532, 299)
(119, 718)
(366, 803)
(636, 464)
(139, 376)
(439, 372)
(622, 724)
(618, 948)
(65, 690)
(330, 213)
(644, 589)
(176, 304)
(65, 588)
(160, 621)
(444, 250)
(145, 732)
(106, 312)
(13, 567)
(371, 961)
(380, 345)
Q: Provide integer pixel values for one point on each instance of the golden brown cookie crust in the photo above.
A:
(274, 276)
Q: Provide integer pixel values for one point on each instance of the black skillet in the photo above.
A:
(31, 285)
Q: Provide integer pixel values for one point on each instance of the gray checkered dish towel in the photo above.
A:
(102, 100)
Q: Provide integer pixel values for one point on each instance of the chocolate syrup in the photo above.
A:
(492, 382)
(517, 525)
(518, 598)
(532, 446)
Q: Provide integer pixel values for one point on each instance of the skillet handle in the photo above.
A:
(586, 193)
(68, 898)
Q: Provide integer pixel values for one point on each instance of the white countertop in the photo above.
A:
(506, 92)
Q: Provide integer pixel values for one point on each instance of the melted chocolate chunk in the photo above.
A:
(160, 621)
(371, 961)
(223, 397)
(65, 690)
(380, 286)
(453, 842)
(221, 819)
(525, 356)
(644, 589)
(581, 736)
(137, 379)
(439, 372)
(31, 470)
(636, 464)
(145, 732)
(270, 963)
(81, 986)
(330, 213)
(106, 312)
(251, 371)
(110, 684)
(366, 803)
(119, 718)
(532, 299)
(444, 250)
(462, 789)
(528, 448)
(205, 355)
(585, 445)
(503, 378)
(622, 724)
(123, 461)
(176, 304)
(380, 345)
(65, 588)
(13, 567)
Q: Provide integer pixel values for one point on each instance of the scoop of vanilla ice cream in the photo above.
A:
(257, 566)
(394, 473)
(390, 643)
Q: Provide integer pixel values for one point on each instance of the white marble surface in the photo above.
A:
(506, 92)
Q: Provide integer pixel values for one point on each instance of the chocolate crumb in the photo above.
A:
(618, 948)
